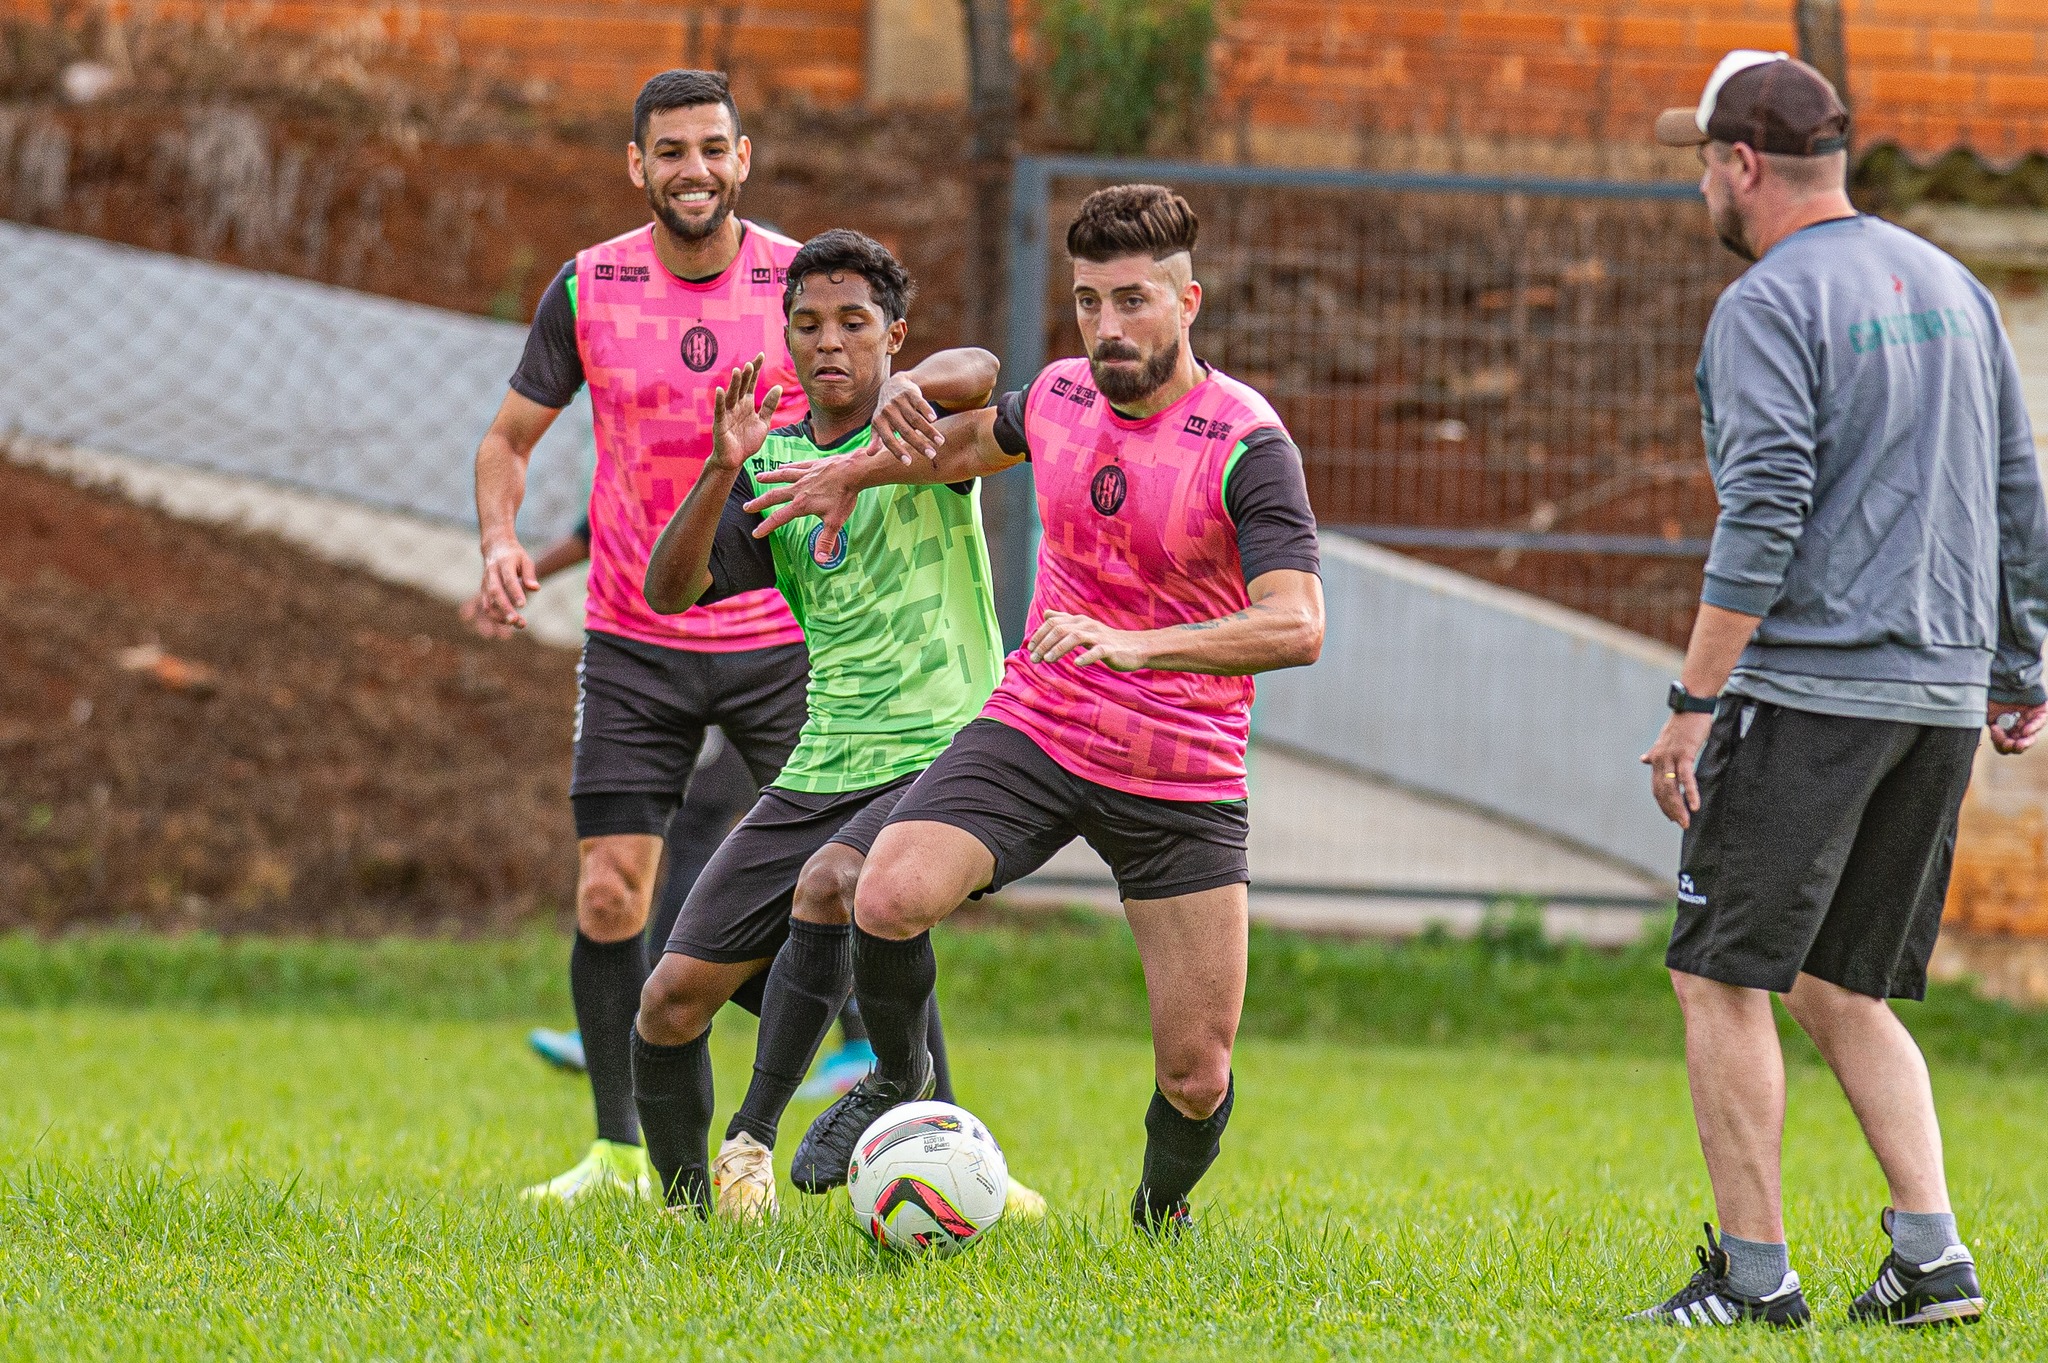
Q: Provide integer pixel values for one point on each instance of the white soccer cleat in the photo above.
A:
(743, 1180)
(610, 1166)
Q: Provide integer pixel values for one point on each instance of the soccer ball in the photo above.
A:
(927, 1178)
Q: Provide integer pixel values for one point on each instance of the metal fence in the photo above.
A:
(368, 399)
(1493, 374)
(175, 364)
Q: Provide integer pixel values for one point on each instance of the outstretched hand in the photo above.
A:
(739, 427)
(825, 488)
(905, 424)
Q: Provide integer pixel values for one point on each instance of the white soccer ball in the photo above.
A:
(927, 1178)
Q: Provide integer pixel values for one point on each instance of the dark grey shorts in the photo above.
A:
(641, 712)
(739, 908)
(1822, 846)
(997, 784)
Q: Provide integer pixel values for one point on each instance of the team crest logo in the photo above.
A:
(1107, 489)
(838, 555)
(700, 348)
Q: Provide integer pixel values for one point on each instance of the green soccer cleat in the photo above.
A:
(1023, 1204)
(611, 1166)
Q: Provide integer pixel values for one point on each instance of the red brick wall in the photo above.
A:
(589, 53)
(1927, 73)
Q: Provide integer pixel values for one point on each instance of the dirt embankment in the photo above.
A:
(203, 728)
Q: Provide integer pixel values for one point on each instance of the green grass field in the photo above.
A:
(257, 1180)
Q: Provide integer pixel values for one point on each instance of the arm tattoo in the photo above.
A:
(1220, 621)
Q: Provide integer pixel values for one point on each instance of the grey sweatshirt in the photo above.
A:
(1880, 503)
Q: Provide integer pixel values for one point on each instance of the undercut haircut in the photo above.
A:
(1810, 174)
(681, 89)
(843, 251)
(1132, 220)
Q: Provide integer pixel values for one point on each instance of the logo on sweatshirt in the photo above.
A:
(1078, 393)
(700, 348)
(1909, 328)
(832, 560)
(1107, 489)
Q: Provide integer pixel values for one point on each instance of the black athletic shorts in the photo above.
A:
(999, 785)
(641, 712)
(739, 908)
(1822, 846)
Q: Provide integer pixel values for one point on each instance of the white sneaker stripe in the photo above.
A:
(1721, 1312)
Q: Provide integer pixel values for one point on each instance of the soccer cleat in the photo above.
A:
(1709, 1299)
(563, 1050)
(827, 1149)
(1023, 1204)
(610, 1165)
(1171, 1224)
(1943, 1291)
(840, 1071)
(743, 1180)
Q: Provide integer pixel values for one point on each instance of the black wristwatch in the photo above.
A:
(1684, 702)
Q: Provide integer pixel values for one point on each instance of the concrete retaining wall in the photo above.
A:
(1482, 695)
(377, 401)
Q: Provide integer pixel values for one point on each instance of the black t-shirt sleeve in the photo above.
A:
(739, 562)
(1009, 430)
(1266, 496)
(551, 368)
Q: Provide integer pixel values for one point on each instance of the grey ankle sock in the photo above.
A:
(1755, 1269)
(1920, 1237)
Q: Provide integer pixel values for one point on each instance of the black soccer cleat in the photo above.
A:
(1171, 1224)
(1709, 1300)
(1943, 1291)
(820, 1162)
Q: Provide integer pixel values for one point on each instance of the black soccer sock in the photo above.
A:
(894, 981)
(604, 984)
(1179, 1149)
(852, 1026)
(806, 983)
(672, 1089)
(747, 998)
(935, 1042)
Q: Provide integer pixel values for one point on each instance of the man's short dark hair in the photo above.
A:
(681, 89)
(845, 251)
(1132, 220)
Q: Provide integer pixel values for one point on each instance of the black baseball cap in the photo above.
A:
(1771, 101)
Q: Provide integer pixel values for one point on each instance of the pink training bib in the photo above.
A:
(654, 347)
(1136, 536)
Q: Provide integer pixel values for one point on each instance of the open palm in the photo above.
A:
(739, 427)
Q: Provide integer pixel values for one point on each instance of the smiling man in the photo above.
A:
(1179, 558)
(652, 321)
(904, 650)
